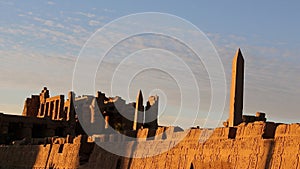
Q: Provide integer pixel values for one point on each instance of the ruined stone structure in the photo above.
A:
(45, 116)
(49, 135)
(46, 106)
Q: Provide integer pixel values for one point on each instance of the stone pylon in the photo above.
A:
(139, 112)
(237, 90)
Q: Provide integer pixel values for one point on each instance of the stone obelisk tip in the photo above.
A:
(238, 54)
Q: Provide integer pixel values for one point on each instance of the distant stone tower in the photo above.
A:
(71, 107)
(44, 95)
(139, 112)
(237, 90)
(70, 113)
(151, 113)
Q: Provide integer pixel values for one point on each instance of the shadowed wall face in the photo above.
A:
(237, 90)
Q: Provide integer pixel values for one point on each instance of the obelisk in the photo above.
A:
(139, 111)
(237, 90)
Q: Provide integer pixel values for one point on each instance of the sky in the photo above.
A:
(40, 42)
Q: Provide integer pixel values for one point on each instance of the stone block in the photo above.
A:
(287, 130)
(256, 129)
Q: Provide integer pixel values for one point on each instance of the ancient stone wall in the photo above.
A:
(61, 155)
(286, 149)
(255, 145)
(31, 106)
(39, 156)
(247, 146)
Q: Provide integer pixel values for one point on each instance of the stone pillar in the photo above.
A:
(51, 109)
(41, 110)
(71, 114)
(106, 122)
(61, 107)
(47, 107)
(93, 110)
(139, 112)
(71, 110)
(54, 111)
(237, 89)
(97, 121)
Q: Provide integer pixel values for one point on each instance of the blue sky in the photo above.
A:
(40, 41)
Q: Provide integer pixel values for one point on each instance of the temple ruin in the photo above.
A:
(51, 133)
(45, 116)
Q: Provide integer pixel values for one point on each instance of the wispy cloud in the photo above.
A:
(51, 3)
(89, 15)
(35, 68)
(108, 10)
(45, 22)
(94, 23)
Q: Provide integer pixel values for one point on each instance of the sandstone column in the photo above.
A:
(97, 120)
(106, 122)
(71, 113)
(237, 89)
